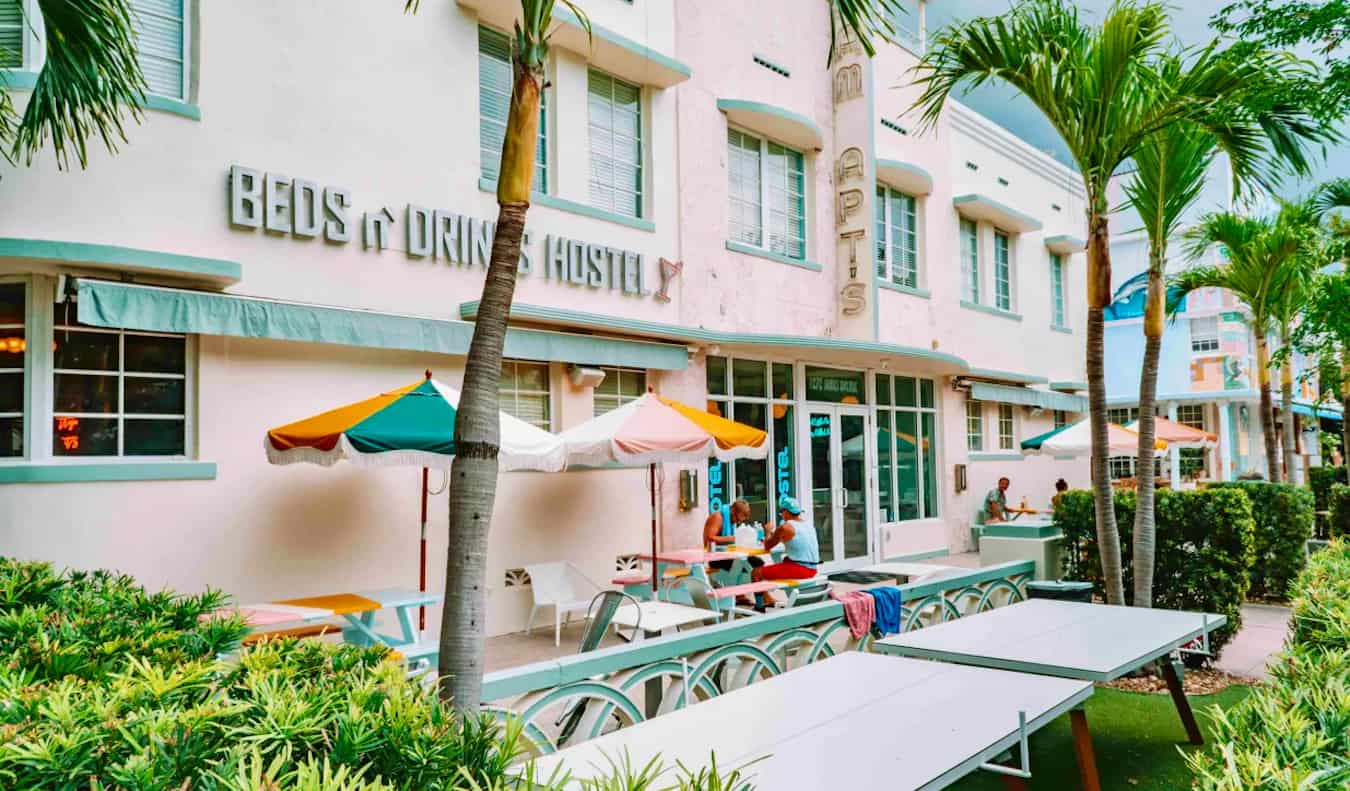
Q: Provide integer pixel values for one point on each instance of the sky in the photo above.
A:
(1190, 23)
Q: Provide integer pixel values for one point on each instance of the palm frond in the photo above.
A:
(1170, 170)
(1334, 194)
(862, 20)
(89, 78)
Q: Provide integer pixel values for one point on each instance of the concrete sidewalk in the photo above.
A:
(1264, 627)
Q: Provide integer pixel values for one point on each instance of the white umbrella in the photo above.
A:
(1076, 440)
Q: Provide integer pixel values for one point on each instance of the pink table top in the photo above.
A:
(691, 557)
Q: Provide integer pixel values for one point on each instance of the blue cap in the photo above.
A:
(790, 505)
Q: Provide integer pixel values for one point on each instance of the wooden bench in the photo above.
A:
(308, 630)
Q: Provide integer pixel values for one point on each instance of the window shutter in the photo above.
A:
(494, 103)
(11, 34)
(159, 45)
(614, 109)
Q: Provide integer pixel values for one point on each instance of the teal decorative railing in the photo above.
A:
(569, 700)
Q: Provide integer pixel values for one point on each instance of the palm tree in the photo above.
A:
(1286, 307)
(1105, 90)
(473, 474)
(89, 77)
(1265, 259)
(1170, 170)
(1326, 316)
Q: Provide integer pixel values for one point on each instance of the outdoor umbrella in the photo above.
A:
(1178, 435)
(411, 426)
(652, 430)
(1076, 440)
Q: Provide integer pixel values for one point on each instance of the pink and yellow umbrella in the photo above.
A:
(652, 430)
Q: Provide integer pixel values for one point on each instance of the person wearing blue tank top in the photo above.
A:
(720, 526)
(798, 537)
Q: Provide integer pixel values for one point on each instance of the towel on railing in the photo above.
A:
(887, 605)
(859, 610)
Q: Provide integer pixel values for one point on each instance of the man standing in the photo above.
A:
(995, 505)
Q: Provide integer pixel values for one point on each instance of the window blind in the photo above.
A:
(494, 102)
(11, 34)
(159, 45)
(615, 113)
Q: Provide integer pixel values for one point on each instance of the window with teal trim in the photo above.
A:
(974, 425)
(1007, 427)
(906, 448)
(13, 353)
(523, 392)
(11, 34)
(970, 261)
(1002, 272)
(161, 51)
(615, 112)
(494, 102)
(897, 237)
(620, 386)
(1059, 315)
(756, 393)
(767, 187)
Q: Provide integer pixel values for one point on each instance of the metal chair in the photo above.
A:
(599, 617)
(692, 591)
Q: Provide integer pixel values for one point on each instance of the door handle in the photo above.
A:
(844, 491)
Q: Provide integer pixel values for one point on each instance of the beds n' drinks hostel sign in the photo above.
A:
(282, 206)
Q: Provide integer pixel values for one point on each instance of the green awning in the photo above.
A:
(1025, 396)
(155, 308)
(1322, 412)
(1035, 442)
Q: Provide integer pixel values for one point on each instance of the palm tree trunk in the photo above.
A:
(1267, 409)
(1099, 296)
(1290, 430)
(1144, 517)
(473, 474)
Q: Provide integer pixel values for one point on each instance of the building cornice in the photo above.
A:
(984, 131)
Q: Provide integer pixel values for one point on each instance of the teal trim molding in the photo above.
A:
(951, 364)
(991, 310)
(166, 105)
(903, 289)
(663, 72)
(111, 471)
(572, 207)
(1007, 376)
(1014, 530)
(779, 123)
(122, 259)
(1065, 244)
(983, 207)
(17, 79)
(1058, 328)
(996, 456)
(759, 252)
(904, 176)
(1068, 387)
(124, 305)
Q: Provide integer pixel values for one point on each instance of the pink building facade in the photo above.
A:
(302, 221)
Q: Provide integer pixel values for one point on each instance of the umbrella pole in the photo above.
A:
(651, 481)
(422, 559)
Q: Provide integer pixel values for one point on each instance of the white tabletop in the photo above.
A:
(856, 721)
(658, 616)
(1093, 642)
(913, 571)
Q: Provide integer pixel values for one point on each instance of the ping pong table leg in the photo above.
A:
(1014, 783)
(1169, 669)
(1082, 747)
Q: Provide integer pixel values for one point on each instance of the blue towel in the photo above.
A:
(887, 601)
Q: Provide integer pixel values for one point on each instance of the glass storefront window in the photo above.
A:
(749, 379)
(716, 375)
(751, 475)
(883, 390)
(740, 390)
(904, 391)
(835, 386)
(13, 351)
(907, 449)
(782, 382)
(885, 443)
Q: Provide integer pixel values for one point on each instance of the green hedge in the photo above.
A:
(1320, 480)
(1204, 552)
(1284, 515)
(1338, 502)
(1294, 731)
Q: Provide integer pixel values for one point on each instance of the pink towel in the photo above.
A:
(859, 609)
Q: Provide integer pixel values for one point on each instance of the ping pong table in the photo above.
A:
(858, 721)
(1088, 642)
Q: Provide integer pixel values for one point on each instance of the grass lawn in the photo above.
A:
(1134, 735)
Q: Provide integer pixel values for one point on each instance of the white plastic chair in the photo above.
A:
(563, 587)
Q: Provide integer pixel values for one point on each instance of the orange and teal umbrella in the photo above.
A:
(412, 426)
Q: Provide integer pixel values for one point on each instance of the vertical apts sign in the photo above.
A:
(854, 185)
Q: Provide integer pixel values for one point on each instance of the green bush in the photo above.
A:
(1339, 505)
(1293, 732)
(1284, 516)
(1203, 555)
(1320, 480)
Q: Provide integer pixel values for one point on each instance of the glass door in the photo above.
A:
(839, 470)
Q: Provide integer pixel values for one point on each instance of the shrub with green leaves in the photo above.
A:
(1205, 549)
(1320, 480)
(1293, 732)
(1338, 502)
(1284, 516)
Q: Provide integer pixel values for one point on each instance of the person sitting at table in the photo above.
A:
(995, 505)
(719, 530)
(798, 537)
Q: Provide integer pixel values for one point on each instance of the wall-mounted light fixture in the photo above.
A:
(688, 489)
(959, 475)
(582, 376)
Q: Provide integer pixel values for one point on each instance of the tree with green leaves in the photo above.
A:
(1170, 170)
(89, 80)
(1266, 259)
(1106, 89)
(1324, 329)
(473, 474)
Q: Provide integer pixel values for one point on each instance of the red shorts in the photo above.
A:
(787, 570)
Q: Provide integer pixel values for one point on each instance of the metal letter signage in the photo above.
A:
(848, 83)
(304, 209)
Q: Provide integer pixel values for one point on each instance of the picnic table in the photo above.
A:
(655, 617)
(1088, 642)
(857, 721)
(684, 562)
(313, 615)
